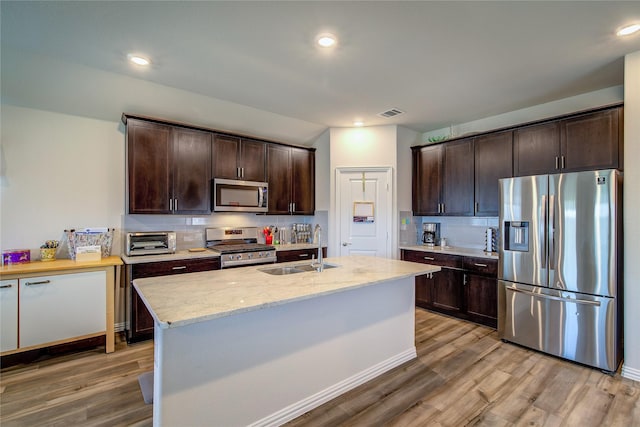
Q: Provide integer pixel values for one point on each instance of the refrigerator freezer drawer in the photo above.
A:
(578, 327)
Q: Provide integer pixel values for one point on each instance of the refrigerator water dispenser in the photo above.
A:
(516, 236)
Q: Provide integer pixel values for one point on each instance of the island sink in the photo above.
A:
(293, 269)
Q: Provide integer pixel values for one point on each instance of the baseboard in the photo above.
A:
(630, 373)
(295, 410)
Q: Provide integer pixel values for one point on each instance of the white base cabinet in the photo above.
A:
(58, 307)
(8, 315)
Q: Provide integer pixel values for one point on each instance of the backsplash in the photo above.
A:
(190, 229)
(464, 232)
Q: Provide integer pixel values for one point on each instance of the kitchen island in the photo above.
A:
(242, 347)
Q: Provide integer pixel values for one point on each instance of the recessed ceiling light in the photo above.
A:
(326, 40)
(358, 123)
(628, 30)
(138, 60)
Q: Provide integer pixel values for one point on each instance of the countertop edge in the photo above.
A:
(452, 250)
(57, 265)
(186, 255)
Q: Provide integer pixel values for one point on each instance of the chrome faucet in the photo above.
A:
(319, 265)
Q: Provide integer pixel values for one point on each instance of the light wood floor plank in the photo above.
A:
(463, 376)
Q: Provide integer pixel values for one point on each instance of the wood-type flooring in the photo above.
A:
(463, 376)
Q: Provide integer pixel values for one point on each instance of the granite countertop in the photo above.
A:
(195, 297)
(185, 254)
(452, 250)
(296, 246)
(140, 259)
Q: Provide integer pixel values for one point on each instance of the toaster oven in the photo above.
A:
(150, 243)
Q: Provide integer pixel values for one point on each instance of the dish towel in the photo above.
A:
(146, 386)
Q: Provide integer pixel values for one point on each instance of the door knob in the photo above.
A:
(346, 244)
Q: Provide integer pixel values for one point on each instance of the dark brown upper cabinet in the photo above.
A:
(536, 149)
(586, 141)
(493, 160)
(291, 178)
(427, 179)
(592, 141)
(443, 179)
(238, 158)
(458, 178)
(168, 169)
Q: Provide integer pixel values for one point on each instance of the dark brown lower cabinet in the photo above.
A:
(446, 292)
(299, 254)
(465, 287)
(482, 299)
(140, 320)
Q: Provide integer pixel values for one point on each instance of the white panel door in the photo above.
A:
(8, 315)
(365, 212)
(62, 306)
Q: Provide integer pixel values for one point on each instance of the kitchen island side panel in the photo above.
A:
(269, 366)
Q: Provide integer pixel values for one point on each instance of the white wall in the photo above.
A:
(374, 146)
(58, 172)
(631, 367)
(560, 107)
(106, 95)
(322, 170)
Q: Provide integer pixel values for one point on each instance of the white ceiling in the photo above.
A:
(439, 62)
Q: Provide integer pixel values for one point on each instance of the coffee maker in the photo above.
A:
(430, 233)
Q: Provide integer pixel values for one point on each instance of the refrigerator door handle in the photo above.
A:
(543, 233)
(551, 297)
(552, 233)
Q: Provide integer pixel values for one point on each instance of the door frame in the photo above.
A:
(334, 246)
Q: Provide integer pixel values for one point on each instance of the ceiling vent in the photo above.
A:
(391, 113)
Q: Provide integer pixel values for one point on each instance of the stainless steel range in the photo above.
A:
(238, 246)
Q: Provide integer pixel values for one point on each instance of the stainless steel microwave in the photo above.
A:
(231, 195)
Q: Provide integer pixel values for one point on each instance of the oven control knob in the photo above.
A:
(249, 256)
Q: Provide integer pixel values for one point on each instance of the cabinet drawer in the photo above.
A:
(166, 268)
(442, 260)
(481, 266)
(300, 254)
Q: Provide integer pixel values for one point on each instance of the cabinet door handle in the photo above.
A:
(42, 282)
(294, 207)
(180, 267)
(476, 207)
(428, 258)
(304, 255)
(562, 162)
(171, 204)
(480, 265)
(557, 162)
(464, 279)
(6, 286)
(175, 204)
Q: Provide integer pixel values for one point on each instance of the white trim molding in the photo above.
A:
(311, 402)
(630, 373)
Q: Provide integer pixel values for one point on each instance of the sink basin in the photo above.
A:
(293, 269)
(279, 271)
(309, 267)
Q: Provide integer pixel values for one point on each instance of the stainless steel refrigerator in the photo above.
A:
(560, 266)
